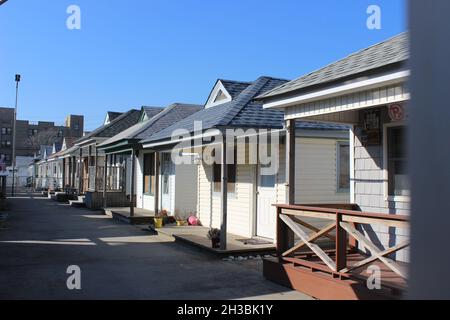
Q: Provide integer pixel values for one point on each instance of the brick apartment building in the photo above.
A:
(30, 136)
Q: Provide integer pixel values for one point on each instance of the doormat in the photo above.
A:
(254, 242)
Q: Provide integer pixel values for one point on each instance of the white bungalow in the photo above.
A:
(172, 188)
(367, 91)
(243, 205)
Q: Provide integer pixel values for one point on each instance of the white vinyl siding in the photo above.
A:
(240, 204)
(348, 102)
(315, 164)
(316, 172)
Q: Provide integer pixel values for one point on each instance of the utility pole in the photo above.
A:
(14, 138)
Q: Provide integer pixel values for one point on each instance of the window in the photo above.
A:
(343, 166)
(149, 174)
(60, 133)
(6, 144)
(6, 157)
(217, 177)
(32, 132)
(398, 184)
(166, 164)
(6, 131)
(220, 96)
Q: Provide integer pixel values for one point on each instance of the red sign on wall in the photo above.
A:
(397, 112)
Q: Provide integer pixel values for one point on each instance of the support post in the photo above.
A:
(64, 174)
(156, 193)
(96, 170)
(224, 196)
(290, 161)
(80, 174)
(285, 234)
(70, 173)
(105, 173)
(133, 177)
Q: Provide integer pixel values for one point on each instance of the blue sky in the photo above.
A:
(156, 52)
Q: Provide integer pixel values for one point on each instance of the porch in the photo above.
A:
(344, 271)
(196, 236)
(137, 217)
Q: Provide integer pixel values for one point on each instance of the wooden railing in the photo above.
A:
(342, 229)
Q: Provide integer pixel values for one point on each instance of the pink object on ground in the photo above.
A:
(193, 221)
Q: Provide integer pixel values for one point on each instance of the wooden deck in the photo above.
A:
(342, 272)
(196, 236)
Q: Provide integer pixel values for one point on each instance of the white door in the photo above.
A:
(266, 212)
(167, 168)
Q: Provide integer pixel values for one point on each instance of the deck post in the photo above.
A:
(157, 165)
(283, 235)
(224, 196)
(105, 173)
(133, 177)
(341, 244)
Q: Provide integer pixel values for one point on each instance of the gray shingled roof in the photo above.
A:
(119, 124)
(388, 52)
(142, 130)
(243, 111)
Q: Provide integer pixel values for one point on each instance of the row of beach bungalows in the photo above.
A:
(171, 159)
(333, 136)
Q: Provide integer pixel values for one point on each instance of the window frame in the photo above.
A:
(339, 189)
(6, 144)
(6, 131)
(213, 180)
(151, 191)
(388, 197)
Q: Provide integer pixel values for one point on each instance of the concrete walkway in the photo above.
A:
(42, 238)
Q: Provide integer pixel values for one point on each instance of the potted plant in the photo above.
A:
(181, 222)
(214, 236)
(159, 219)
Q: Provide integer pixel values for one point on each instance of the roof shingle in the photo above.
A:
(243, 111)
(142, 130)
(385, 53)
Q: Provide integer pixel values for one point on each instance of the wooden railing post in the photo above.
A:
(341, 244)
(285, 236)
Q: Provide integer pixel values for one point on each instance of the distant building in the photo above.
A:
(30, 136)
